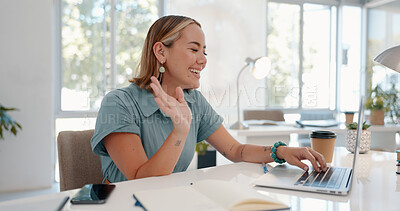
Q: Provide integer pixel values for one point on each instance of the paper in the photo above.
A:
(208, 195)
(50, 203)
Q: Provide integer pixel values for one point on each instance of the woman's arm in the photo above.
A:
(127, 152)
(126, 149)
(234, 151)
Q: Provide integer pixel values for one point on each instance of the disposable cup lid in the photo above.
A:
(322, 134)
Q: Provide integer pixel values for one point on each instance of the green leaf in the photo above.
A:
(14, 130)
(10, 109)
(353, 126)
(7, 122)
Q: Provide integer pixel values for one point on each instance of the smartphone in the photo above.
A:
(93, 194)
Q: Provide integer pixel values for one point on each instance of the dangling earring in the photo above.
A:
(161, 71)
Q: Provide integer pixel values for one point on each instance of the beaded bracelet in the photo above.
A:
(273, 153)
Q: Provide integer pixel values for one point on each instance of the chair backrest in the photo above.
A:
(78, 164)
(275, 115)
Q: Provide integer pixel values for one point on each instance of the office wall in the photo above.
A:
(234, 30)
(26, 161)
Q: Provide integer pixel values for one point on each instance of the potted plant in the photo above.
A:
(7, 123)
(351, 136)
(376, 104)
(206, 157)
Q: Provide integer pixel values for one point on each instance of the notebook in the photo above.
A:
(207, 195)
(336, 180)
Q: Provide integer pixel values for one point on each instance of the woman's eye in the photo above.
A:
(205, 54)
(194, 50)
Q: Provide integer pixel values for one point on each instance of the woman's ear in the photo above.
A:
(158, 50)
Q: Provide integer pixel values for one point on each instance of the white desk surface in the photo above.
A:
(376, 186)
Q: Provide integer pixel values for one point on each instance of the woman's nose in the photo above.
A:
(202, 59)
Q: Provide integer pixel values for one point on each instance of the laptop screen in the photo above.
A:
(358, 137)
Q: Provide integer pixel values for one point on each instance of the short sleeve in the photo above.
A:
(209, 119)
(117, 114)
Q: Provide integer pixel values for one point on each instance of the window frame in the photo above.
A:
(335, 71)
(58, 112)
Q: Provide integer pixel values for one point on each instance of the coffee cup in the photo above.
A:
(323, 141)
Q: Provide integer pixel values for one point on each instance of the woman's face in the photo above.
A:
(185, 59)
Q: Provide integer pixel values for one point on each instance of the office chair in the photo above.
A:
(78, 164)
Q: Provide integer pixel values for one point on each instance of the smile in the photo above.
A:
(195, 71)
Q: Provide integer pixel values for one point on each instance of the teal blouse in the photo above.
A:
(134, 110)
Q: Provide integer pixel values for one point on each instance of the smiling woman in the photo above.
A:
(186, 41)
(151, 127)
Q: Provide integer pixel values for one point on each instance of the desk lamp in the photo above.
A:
(259, 69)
(390, 58)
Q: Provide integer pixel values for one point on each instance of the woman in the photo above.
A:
(151, 127)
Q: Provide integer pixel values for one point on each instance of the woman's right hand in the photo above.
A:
(176, 108)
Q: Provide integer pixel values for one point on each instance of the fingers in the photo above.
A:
(320, 158)
(300, 164)
(179, 95)
(294, 155)
(166, 102)
(158, 92)
(156, 86)
(307, 155)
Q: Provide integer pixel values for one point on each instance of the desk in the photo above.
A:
(382, 137)
(376, 186)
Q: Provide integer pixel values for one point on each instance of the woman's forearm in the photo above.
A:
(164, 160)
(253, 153)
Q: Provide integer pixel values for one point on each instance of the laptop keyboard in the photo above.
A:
(331, 178)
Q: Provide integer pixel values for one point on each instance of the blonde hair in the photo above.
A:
(166, 30)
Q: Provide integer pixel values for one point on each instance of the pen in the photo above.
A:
(264, 167)
(61, 205)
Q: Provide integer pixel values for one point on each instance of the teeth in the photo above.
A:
(194, 71)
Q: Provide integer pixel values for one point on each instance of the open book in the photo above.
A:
(207, 195)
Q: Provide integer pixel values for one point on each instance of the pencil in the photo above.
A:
(264, 167)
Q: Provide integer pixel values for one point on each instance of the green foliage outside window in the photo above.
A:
(376, 99)
(86, 37)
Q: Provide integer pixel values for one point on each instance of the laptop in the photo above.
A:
(335, 181)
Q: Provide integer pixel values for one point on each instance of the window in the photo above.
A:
(307, 68)
(383, 33)
(349, 76)
(283, 44)
(302, 56)
(101, 41)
